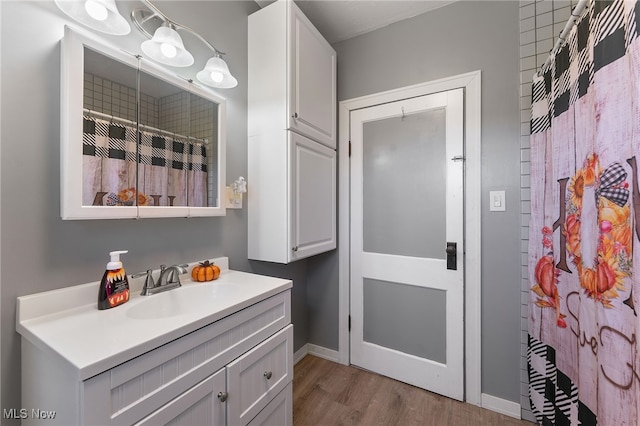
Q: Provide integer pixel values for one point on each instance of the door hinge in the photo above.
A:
(349, 322)
(349, 148)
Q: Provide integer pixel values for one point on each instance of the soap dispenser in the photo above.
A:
(114, 287)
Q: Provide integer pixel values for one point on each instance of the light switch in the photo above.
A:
(497, 202)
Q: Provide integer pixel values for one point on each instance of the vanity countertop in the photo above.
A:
(68, 323)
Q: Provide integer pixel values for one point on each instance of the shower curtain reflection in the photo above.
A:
(171, 169)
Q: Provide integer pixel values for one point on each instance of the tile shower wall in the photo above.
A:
(114, 99)
(541, 22)
(174, 113)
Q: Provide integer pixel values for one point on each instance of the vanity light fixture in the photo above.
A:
(101, 15)
(216, 74)
(166, 47)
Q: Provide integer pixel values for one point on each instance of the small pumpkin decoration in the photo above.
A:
(205, 271)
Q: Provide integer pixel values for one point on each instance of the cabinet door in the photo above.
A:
(279, 412)
(313, 86)
(199, 405)
(257, 377)
(313, 197)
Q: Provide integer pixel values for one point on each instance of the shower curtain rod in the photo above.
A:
(575, 14)
(98, 114)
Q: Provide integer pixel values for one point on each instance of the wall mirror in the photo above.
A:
(136, 140)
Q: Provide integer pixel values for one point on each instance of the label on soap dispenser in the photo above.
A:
(116, 289)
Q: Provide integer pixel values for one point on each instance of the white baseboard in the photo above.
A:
(300, 353)
(319, 351)
(323, 352)
(502, 406)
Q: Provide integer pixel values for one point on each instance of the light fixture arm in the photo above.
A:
(165, 18)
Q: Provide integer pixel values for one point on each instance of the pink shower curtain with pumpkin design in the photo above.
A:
(584, 232)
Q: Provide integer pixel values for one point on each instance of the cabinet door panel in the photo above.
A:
(279, 412)
(197, 406)
(313, 200)
(258, 376)
(313, 91)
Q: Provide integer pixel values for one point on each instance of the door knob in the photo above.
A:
(452, 256)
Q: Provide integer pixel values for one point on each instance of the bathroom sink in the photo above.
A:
(187, 299)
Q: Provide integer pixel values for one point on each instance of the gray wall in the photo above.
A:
(40, 251)
(455, 39)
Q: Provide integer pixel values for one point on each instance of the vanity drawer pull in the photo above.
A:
(222, 396)
(268, 374)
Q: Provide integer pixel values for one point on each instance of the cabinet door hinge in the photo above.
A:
(349, 148)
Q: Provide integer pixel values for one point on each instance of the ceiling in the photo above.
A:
(339, 20)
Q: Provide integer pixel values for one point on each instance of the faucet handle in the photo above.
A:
(148, 282)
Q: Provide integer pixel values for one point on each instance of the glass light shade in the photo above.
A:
(92, 15)
(216, 74)
(167, 48)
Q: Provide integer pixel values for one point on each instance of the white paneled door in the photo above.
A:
(407, 241)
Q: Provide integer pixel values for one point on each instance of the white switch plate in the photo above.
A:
(497, 201)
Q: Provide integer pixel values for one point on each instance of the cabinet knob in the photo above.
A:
(295, 115)
(267, 374)
(294, 248)
(222, 396)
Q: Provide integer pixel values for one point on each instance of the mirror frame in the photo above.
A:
(71, 128)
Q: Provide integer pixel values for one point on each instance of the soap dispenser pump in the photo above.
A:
(114, 287)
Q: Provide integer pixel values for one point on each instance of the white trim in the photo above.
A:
(471, 83)
(502, 406)
(0, 198)
(300, 353)
(315, 350)
(322, 352)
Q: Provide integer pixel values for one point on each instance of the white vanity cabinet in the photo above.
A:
(236, 394)
(235, 370)
(292, 136)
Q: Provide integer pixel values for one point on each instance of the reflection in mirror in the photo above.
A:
(109, 132)
(203, 131)
(177, 148)
(136, 140)
(164, 144)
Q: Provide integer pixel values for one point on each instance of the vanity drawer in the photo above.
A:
(258, 376)
(133, 390)
(199, 405)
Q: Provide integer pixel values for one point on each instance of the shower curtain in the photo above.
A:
(171, 171)
(584, 233)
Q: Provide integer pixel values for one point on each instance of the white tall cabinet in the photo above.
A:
(292, 136)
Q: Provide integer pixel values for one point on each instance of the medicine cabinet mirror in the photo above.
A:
(136, 140)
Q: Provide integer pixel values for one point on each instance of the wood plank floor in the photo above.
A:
(327, 393)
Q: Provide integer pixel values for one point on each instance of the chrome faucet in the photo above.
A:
(168, 280)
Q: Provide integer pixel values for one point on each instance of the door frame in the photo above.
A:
(470, 82)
